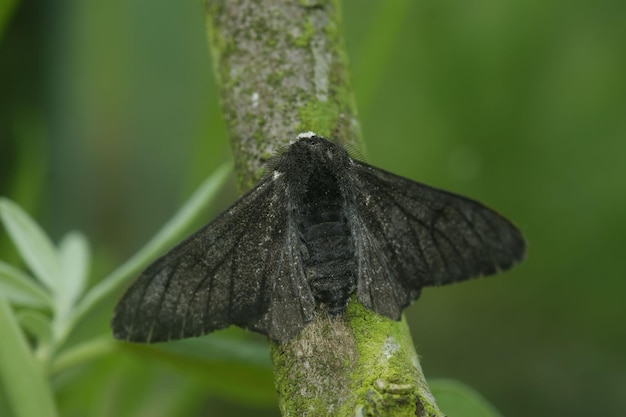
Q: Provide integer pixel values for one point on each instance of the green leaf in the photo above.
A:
(33, 244)
(222, 349)
(83, 352)
(242, 374)
(37, 324)
(75, 256)
(19, 288)
(456, 399)
(24, 382)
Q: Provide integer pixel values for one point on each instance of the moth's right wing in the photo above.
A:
(410, 235)
(243, 268)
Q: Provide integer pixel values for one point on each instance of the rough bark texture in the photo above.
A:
(282, 70)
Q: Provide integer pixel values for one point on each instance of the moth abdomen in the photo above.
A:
(334, 290)
(328, 256)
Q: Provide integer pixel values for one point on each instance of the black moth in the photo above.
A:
(319, 227)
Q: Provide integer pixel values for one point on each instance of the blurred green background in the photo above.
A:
(109, 118)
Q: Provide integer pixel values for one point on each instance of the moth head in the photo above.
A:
(307, 156)
(332, 150)
(316, 152)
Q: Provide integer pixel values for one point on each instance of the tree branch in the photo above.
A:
(282, 69)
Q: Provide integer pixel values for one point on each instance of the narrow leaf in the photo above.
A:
(24, 382)
(37, 324)
(75, 256)
(456, 399)
(83, 352)
(19, 288)
(235, 378)
(222, 349)
(33, 244)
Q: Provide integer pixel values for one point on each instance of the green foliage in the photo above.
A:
(458, 400)
(20, 372)
(49, 306)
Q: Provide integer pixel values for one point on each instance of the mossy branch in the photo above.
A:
(282, 69)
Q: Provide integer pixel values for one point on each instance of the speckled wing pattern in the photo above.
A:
(239, 269)
(410, 235)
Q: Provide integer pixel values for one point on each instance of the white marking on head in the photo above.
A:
(306, 135)
(276, 175)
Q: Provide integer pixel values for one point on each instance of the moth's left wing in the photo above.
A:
(242, 269)
(409, 235)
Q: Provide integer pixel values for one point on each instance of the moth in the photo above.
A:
(319, 227)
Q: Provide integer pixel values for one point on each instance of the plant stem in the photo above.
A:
(282, 69)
